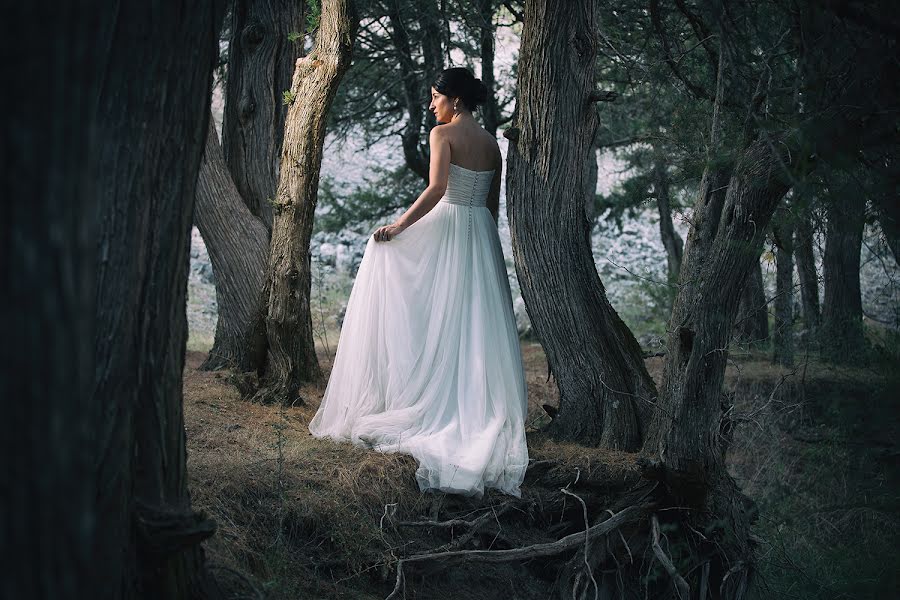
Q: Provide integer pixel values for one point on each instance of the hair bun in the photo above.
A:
(459, 82)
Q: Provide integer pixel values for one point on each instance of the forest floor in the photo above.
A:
(817, 450)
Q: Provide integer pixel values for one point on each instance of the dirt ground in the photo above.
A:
(305, 518)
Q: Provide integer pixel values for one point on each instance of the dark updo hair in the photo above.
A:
(459, 82)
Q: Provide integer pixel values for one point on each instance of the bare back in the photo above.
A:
(471, 147)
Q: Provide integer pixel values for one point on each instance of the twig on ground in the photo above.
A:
(684, 590)
(564, 544)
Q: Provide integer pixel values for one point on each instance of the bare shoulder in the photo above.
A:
(440, 131)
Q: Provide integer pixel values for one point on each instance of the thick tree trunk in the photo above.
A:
(490, 112)
(783, 336)
(238, 249)
(604, 386)
(149, 132)
(752, 327)
(842, 338)
(47, 269)
(806, 270)
(684, 439)
(671, 240)
(291, 349)
(260, 63)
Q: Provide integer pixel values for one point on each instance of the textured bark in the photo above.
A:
(783, 336)
(291, 349)
(47, 274)
(490, 112)
(671, 240)
(806, 270)
(604, 386)
(238, 247)
(684, 438)
(145, 156)
(260, 63)
(752, 327)
(842, 336)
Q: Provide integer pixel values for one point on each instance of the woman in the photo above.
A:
(428, 362)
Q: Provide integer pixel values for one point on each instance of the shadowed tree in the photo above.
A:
(291, 358)
(603, 384)
(100, 485)
(148, 536)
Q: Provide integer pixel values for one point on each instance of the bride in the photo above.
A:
(428, 362)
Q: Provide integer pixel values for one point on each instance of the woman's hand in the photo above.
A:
(384, 234)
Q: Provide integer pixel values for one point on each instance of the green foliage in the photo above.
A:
(288, 97)
(313, 15)
(294, 36)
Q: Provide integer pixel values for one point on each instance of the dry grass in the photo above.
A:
(308, 518)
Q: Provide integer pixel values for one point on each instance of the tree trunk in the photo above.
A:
(145, 156)
(671, 240)
(752, 327)
(604, 387)
(260, 63)
(291, 349)
(806, 270)
(237, 246)
(684, 437)
(842, 336)
(490, 112)
(47, 268)
(783, 336)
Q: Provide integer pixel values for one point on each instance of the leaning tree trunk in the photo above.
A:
(47, 267)
(260, 62)
(671, 240)
(783, 336)
(842, 336)
(604, 387)
(291, 349)
(752, 327)
(687, 438)
(145, 157)
(806, 270)
(261, 57)
(238, 249)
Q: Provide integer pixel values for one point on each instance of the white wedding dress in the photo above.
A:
(428, 362)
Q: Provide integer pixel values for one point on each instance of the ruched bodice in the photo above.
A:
(467, 187)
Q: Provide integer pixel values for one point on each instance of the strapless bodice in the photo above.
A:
(467, 187)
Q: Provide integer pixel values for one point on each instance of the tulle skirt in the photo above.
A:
(428, 362)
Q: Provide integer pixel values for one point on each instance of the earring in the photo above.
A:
(456, 107)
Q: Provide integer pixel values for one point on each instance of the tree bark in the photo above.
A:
(842, 338)
(604, 386)
(291, 349)
(888, 211)
(806, 270)
(145, 157)
(236, 241)
(752, 326)
(783, 337)
(684, 438)
(260, 63)
(671, 240)
(47, 269)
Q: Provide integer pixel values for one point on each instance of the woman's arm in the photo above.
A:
(438, 172)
